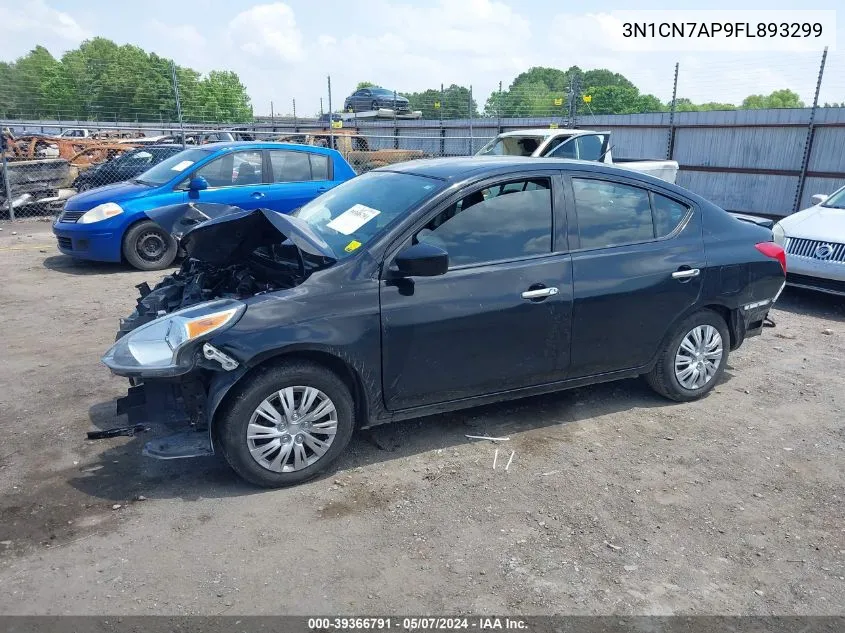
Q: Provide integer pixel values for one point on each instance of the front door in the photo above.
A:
(235, 178)
(498, 319)
(640, 265)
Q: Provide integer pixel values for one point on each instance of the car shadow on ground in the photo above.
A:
(71, 266)
(811, 303)
(120, 472)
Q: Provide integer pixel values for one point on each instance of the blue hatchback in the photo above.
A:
(109, 224)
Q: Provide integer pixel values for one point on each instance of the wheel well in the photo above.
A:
(334, 364)
(725, 313)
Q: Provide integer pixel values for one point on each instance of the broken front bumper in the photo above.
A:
(178, 405)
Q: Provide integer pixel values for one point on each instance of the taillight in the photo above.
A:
(775, 251)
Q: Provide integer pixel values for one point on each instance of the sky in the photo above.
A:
(285, 50)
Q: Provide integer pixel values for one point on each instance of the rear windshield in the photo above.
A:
(353, 213)
(172, 167)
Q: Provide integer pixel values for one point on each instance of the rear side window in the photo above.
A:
(319, 167)
(668, 214)
(298, 166)
(613, 214)
(504, 221)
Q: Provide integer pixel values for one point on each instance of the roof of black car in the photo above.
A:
(459, 168)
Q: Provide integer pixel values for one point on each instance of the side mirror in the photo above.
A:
(195, 185)
(422, 260)
(818, 198)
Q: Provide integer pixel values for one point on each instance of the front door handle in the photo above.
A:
(257, 195)
(686, 273)
(539, 293)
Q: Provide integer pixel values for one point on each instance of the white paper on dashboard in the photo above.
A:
(182, 166)
(353, 219)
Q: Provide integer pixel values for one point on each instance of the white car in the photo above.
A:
(814, 240)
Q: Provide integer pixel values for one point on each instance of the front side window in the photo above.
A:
(612, 214)
(504, 221)
(586, 147)
(170, 168)
(590, 146)
(233, 169)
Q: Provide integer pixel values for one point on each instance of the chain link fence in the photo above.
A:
(75, 125)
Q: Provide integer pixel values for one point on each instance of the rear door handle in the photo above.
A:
(539, 293)
(687, 273)
(257, 195)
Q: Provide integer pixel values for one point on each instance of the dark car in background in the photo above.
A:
(124, 167)
(374, 98)
(430, 286)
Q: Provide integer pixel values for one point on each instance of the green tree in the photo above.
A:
(365, 84)
(621, 99)
(103, 81)
(778, 99)
(454, 103)
(543, 91)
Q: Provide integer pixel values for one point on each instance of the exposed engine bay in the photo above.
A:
(231, 254)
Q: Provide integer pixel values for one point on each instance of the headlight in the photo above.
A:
(100, 212)
(778, 233)
(155, 347)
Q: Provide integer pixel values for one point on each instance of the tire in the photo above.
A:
(375, 105)
(84, 186)
(147, 246)
(275, 464)
(674, 364)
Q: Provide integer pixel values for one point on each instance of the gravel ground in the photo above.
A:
(616, 501)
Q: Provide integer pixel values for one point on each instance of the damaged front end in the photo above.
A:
(165, 347)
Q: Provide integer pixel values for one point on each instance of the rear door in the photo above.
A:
(297, 178)
(638, 264)
(235, 178)
(499, 318)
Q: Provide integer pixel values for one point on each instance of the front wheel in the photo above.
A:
(693, 360)
(147, 246)
(288, 424)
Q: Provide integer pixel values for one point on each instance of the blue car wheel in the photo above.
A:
(149, 247)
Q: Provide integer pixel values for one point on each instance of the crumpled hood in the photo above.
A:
(221, 234)
(816, 223)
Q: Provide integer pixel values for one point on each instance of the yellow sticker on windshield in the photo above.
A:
(354, 245)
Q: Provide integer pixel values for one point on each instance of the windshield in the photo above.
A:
(171, 167)
(511, 146)
(836, 200)
(352, 214)
(382, 91)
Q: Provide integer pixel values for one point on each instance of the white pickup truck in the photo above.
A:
(577, 144)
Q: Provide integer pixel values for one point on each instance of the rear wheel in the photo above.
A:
(289, 424)
(149, 247)
(693, 360)
(84, 186)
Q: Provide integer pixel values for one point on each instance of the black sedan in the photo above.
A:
(124, 167)
(431, 286)
(374, 98)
